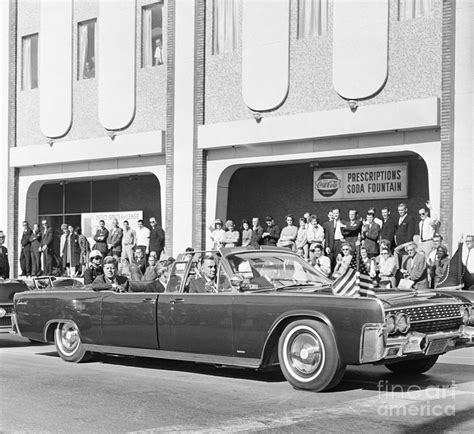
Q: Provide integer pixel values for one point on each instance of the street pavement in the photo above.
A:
(41, 392)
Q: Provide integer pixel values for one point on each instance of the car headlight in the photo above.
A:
(403, 322)
(390, 324)
(3, 312)
(466, 314)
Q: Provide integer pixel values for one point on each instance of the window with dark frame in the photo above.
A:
(153, 50)
(29, 79)
(86, 46)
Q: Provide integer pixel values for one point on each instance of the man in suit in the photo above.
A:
(35, 240)
(25, 255)
(414, 267)
(207, 282)
(4, 264)
(352, 228)
(387, 231)
(157, 237)
(333, 236)
(370, 235)
(114, 240)
(406, 227)
(47, 245)
(110, 277)
(100, 238)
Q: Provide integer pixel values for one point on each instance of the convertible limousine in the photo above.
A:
(269, 308)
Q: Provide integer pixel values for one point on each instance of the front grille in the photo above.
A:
(437, 326)
(432, 318)
(6, 321)
(427, 313)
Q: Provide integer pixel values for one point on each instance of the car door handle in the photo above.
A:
(176, 300)
(148, 300)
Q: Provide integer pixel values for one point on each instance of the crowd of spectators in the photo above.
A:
(393, 251)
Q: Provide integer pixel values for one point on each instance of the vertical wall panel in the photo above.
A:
(360, 47)
(116, 63)
(265, 53)
(55, 67)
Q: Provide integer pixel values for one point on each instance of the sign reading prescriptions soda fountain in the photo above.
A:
(360, 183)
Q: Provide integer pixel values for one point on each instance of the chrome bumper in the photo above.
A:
(376, 345)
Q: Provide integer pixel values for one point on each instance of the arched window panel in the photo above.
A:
(265, 53)
(55, 67)
(360, 48)
(116, 32)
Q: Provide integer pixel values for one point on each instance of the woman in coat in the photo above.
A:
(85, 250)
(71, 253)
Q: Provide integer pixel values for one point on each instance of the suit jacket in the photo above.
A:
(404, 232)
(202, 285)
(35, 240)
(272, 239)
(351, 231)
(416, 269)
(157, 239)
(47, 238)
(256, 239)
(4, 264)
(387, 231)
(115, 238)
(329, 232)
(25, 238)
(371, 237)
(100, 239)
(121, 280)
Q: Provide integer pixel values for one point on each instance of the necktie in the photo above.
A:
(421, 229)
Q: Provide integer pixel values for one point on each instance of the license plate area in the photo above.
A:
(437, 347)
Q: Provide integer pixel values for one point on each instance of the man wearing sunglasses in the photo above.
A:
(427, 228)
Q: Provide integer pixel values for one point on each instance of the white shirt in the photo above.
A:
(468, 258)
(143, 237)
(323, 265)
(337, 232)
(400, 220)
(427, 228)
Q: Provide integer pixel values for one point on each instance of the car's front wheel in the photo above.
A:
(308, 356)
(68, 343)
(413, 366)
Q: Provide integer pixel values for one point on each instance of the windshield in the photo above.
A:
(274, 270)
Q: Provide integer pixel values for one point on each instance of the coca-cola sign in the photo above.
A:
(327, 184)
(360, 183)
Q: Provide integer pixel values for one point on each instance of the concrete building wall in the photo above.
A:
(414, 62)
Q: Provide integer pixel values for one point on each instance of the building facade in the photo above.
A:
(192, 110)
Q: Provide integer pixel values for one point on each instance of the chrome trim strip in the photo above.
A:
(174, 355)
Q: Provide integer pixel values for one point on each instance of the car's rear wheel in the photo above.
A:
(413, 366)
(68, 343)
(308, 356)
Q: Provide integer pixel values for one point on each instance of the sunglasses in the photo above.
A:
(97, 257)
(421, 213)
(345, 250)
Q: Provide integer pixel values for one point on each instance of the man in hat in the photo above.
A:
(272, 234)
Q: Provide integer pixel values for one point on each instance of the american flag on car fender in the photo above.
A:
(353, 284)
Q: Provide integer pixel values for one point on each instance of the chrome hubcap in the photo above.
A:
(304, 354)
(70, 338)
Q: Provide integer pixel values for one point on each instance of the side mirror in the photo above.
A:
(237, 282)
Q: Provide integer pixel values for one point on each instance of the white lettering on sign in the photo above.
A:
(361, 183)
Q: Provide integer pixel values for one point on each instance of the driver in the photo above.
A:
(208, 280)
(110, 276)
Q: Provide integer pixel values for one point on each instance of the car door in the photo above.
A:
(129, 319)
(199, 322)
